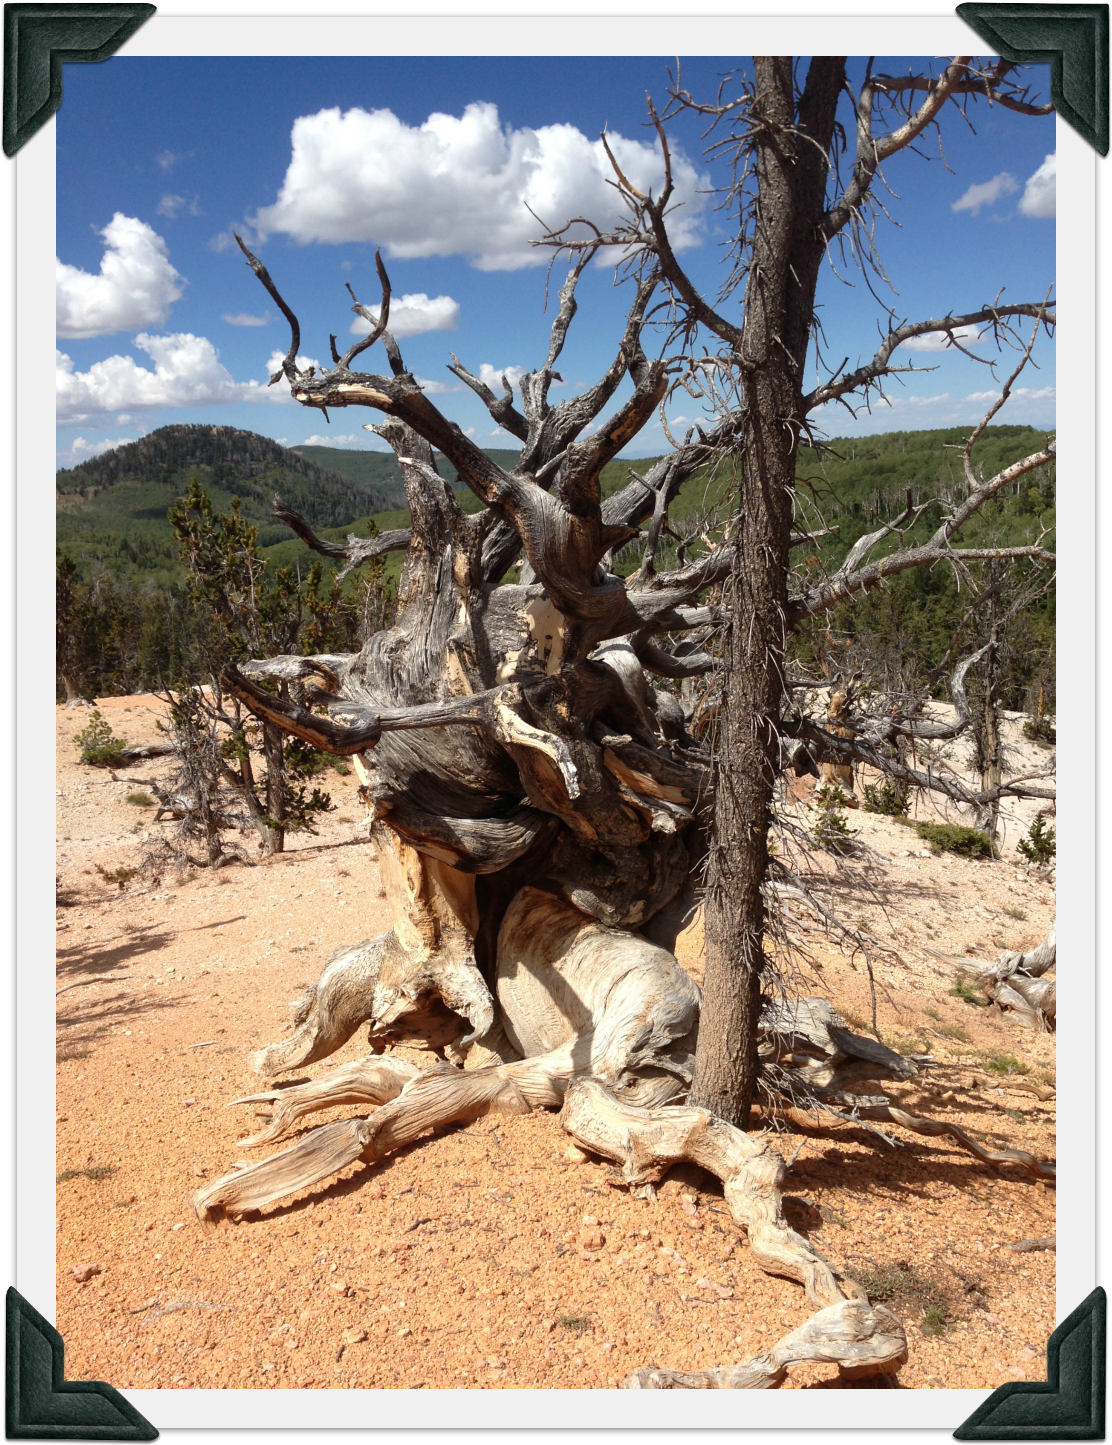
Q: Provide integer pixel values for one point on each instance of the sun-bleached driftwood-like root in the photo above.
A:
(418, 984)
(562, 976)
(646, 1143)
(1013, 1085)
(432, 1099)
(330, 1011)
(807, 1048)
(580, 997)
(1017, 982)
(861, 1339)
(439, 1096)
(374, 1080)
(890, 1114)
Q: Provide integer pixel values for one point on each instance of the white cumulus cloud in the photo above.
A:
(414, 314)
(987, 193)
(187, 372)
(940, 340)
(1040, 194)
(438, 388)
(459, 185)
(136, 285)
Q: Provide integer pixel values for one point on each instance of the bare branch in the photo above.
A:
(364, 727)
(501, 408)
(845, 583)
(983, 85)
(289, 366)
(670, 664)
(378, 324)
(872, 151)
(879, 366)
(355, 551)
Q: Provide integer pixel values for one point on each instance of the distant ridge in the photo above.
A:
(112, 509)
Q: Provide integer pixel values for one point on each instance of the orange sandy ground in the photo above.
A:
(457, 1263)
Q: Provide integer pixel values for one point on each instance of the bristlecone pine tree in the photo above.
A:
(540, 799)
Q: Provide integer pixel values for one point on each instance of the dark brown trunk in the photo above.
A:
(779, 308)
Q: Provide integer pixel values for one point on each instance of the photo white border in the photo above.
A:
(183, 29)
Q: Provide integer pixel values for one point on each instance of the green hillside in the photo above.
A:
(854, 481)
(379, 470)
(112, 510)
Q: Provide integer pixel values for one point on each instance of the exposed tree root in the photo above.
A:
(647, 1142)
(1016, 981)
(330, 1011)
(374, 1080)
(861, 1339)
(1016, 1086)
(606, 1021)
(441, 1095)
(889, 1113)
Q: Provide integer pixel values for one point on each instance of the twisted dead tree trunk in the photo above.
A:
(538, 801)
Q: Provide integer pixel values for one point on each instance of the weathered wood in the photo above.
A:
(861, 1339)
(647, 1142)
(1016, 981)
(374, 1080)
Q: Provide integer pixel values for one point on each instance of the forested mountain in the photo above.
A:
(112, 509)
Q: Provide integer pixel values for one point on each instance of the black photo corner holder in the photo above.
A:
(40, 1402)
(38, 40)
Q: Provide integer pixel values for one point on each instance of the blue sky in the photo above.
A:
(318, 160)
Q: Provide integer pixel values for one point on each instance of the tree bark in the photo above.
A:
(778, 310)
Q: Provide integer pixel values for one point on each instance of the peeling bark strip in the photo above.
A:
(540, 806)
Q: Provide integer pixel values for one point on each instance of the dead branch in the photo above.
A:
(880, 366)
(354, 551)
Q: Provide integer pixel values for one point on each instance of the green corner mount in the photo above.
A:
(1069, 1403)
(39, 40)
(1072, 39)
(41, 1404)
